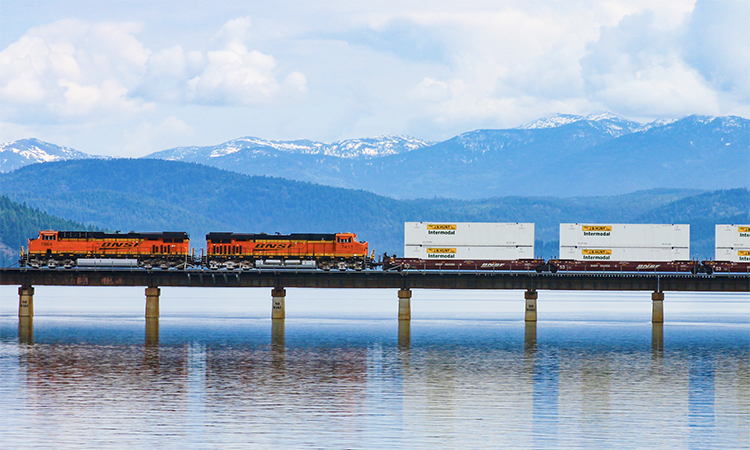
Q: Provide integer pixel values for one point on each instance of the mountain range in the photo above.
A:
(561, 156)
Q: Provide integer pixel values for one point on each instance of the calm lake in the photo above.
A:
(342, 372)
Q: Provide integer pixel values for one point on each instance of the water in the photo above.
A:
(341, 372)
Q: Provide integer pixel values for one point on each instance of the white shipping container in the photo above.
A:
(733, 254)
(650, 254)
(448, 253)
(732, 236)
(624, 235)
(468, 233)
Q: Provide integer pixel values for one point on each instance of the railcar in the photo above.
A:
(693, 267)
(400, 264)
(339, 251)
(74, 248)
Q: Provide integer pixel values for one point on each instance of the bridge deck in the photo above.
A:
(377, 280)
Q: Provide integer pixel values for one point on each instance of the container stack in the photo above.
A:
(469, 241)
(733, 243)
(624, 242)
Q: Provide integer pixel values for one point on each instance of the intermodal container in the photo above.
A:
(473, 253)
(469, 234)
(733, 236)
(624, 235)
(733, 254)
(645, 254)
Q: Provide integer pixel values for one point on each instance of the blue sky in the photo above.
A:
(128, 78)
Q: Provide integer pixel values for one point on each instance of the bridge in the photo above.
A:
(279, 279)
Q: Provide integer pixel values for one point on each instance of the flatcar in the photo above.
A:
(339, 251)
(74, 248)
(568, 265)
(393, 263)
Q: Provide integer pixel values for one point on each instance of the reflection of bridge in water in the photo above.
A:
(532, 391)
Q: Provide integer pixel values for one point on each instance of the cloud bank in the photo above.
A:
(335, 70)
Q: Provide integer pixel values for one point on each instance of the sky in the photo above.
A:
(130, 77)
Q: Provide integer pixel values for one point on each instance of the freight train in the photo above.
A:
(428, 247)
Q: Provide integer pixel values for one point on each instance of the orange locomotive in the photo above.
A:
(71, 248)
(325, 251)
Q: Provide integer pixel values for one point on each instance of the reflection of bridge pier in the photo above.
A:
(278, 343)
(530, 339)
(25, 330)
(657, 341)
(278, 346)
(404, 335)
(152, 343)
(152, 333)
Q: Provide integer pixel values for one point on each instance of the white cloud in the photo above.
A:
(77, 71)
(637, 69)
(234, 75)
(72, 69)
(717, 45)
(147, 137)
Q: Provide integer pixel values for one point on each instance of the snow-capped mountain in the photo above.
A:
(613, 124)
(16, 154)
(562, 155)
(252, 147)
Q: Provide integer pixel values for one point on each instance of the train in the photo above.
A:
(171, 250)
(428, 247)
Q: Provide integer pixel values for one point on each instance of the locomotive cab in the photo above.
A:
(48, 235)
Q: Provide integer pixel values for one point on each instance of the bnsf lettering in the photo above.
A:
(273, 246)
(111, 245)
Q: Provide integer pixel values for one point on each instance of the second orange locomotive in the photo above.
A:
(325, 251)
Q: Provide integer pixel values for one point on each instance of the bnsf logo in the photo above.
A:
(273, 246)
(115, 245)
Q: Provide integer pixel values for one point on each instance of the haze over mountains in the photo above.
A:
(563, 155)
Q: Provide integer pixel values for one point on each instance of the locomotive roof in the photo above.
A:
(271, 237)
(131, 235)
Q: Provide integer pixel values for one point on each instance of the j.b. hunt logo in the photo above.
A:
(744, 231)
(116, 245)
(596, 230)
(597, 254)
(744, 255)
(436, 228)
(441, 253)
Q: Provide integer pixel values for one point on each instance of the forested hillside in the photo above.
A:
(19, 222)
(156, 195)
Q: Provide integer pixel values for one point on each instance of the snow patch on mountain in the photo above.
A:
(255, 147)
(16, 154)
(553, 121)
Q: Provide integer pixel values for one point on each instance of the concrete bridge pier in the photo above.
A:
(657, 311)
(152, 302)
(278, 309)
(404, 304)
(530, 297)
(26, 301)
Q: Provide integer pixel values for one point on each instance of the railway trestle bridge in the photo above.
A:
(279, 280)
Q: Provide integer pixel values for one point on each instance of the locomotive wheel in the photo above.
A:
(539, 268)
(552, 268)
